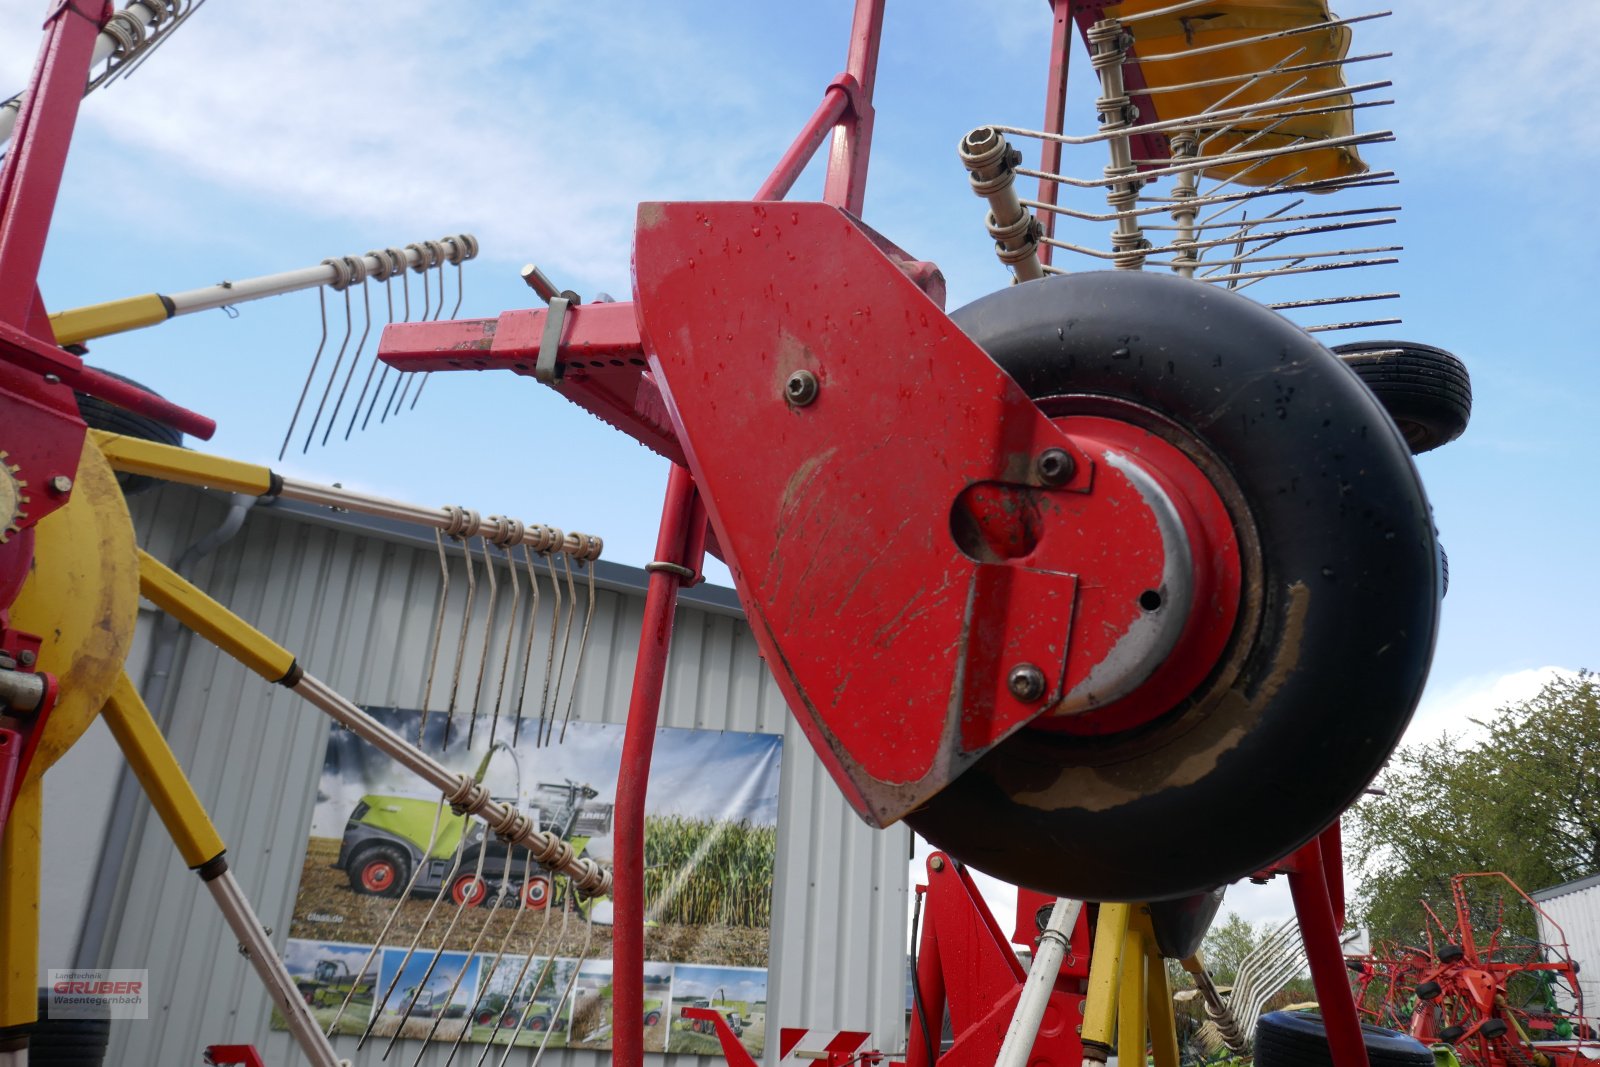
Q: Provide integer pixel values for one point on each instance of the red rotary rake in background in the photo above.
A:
(1484, 983)
(1046, 576)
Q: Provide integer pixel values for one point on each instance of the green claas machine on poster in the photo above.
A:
(386, 841)
(331, 981)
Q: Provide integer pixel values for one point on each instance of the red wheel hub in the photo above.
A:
(468, 889)
(536, 893)
(1214, 577)
(377, 876)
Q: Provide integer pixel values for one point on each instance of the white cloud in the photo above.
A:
(1451, 708)
(1491, 84)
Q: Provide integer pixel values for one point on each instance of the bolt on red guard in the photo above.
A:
(928, 562)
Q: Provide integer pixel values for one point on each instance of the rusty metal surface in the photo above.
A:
(895, 547)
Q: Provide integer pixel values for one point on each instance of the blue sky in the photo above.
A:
(264, 138)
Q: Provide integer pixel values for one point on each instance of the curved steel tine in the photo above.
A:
(377, 1009)
(404, 382)
(438, 632)
(449, 929)
(394, 913)
(349, 330)
(544, 973)
(355, 361)
(461, 643)
(428, 374)
(405, 291)
(488, 634)
(527, 650)
(583, 643)
(494, 911)
(494, 965)
(322, 305)
(566, 994)
(545, 707)
(566, 642)
(511, 633)
(388, 259)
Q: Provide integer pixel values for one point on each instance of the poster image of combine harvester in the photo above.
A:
(738, 994)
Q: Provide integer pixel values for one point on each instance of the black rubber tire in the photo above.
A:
(1449, 953)
(1426, 390)
(1335, 635)
(368, 853)
(100, 415)
(67, 1042)
(1492, 1028)
(1451, 1034)
(1299, 1039)
(1428, 990)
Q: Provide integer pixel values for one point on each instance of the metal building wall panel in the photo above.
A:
(1577, 913)
(355, 600)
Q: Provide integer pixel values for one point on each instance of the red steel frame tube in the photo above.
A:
(678, 545)
(835, 104)
(929, 995)
(846, 184)
(1313, 904)
(1055, 111)
(30, 178)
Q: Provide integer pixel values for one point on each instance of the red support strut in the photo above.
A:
(679, 552)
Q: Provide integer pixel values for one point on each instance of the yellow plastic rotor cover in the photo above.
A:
(82, 598)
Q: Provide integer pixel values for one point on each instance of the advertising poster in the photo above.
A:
(508, 953)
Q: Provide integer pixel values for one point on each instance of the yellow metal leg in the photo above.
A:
(1158, 1002)
(19, 907)
(160, 775)
(1100, 1003)
(1131, 1026)
(169, 592)
(135, 456)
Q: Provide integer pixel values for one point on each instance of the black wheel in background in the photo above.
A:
(1336, 623)
(379, 870)
(1449, 953)
(100, 415)
(67, 1042)
(1299, 1039)
(1428, 990)
(1426, 390)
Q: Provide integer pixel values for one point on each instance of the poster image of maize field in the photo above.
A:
(385, 858)
(336, 981)
(425, 994)
(523, 1002)
(737, 994)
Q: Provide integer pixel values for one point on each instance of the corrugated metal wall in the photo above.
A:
(1576, 909)
(357, 605)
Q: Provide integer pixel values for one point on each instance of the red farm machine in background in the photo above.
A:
(1046, 576)
(1483, 982)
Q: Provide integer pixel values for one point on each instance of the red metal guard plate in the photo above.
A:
(891, 644)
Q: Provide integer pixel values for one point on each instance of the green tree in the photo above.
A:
(1226, 945)
(1522, 799)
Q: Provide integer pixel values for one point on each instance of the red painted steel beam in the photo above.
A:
(846, 184)
(836, 103)
(1314, 908)
(601, 366)
(677, 549)
(30, 178)
(1055, 112)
